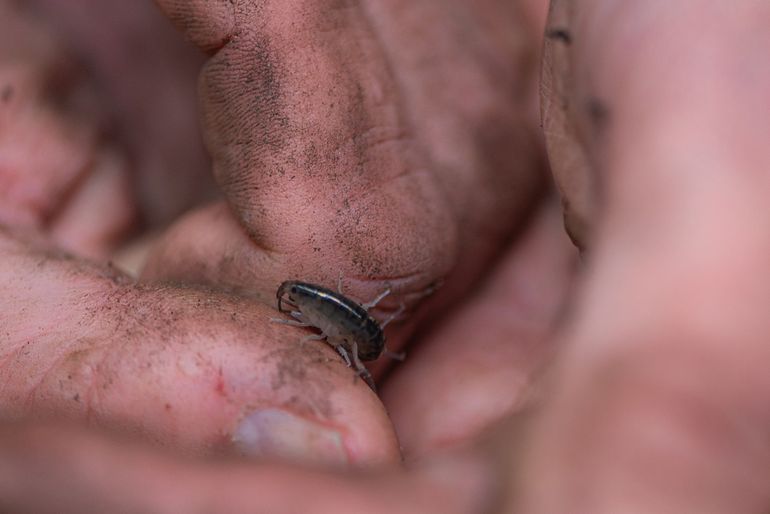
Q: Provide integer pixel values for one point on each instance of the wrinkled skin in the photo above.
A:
(357, 138)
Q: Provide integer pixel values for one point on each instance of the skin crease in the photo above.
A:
(656, 402)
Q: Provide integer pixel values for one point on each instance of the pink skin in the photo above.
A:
(192, 390)
(150, 106)
(181, 367)
(341, 148)
(47, 103)
(448, 404)
(657, 402)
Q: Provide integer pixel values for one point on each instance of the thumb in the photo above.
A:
(312, 149)
(337, 157)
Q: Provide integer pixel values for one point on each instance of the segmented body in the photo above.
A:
(344, 324)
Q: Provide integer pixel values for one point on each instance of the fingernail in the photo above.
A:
(277, 433)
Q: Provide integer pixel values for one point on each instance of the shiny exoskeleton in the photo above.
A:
(345, 325)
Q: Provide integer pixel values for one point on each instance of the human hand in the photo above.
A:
(658, 405)
(261, 367)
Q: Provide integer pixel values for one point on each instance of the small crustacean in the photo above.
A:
(345, 325)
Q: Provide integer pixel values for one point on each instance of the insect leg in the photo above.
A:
(374, 302)
(393, 316)
(313, 337)
(399, 356)
(290, 322)
(361, 369)
(344, 354)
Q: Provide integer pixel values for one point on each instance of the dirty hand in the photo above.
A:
(338, 137)
(340, 172)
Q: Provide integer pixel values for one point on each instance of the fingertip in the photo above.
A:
(221, 378)
(363, 438)
(209, 25)
(325, 415)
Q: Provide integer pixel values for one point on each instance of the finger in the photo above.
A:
(664, 371)
(59, 469)
(481, 364)
(205, 373)
(334, 146)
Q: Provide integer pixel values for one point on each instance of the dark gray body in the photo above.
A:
(341, 320)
